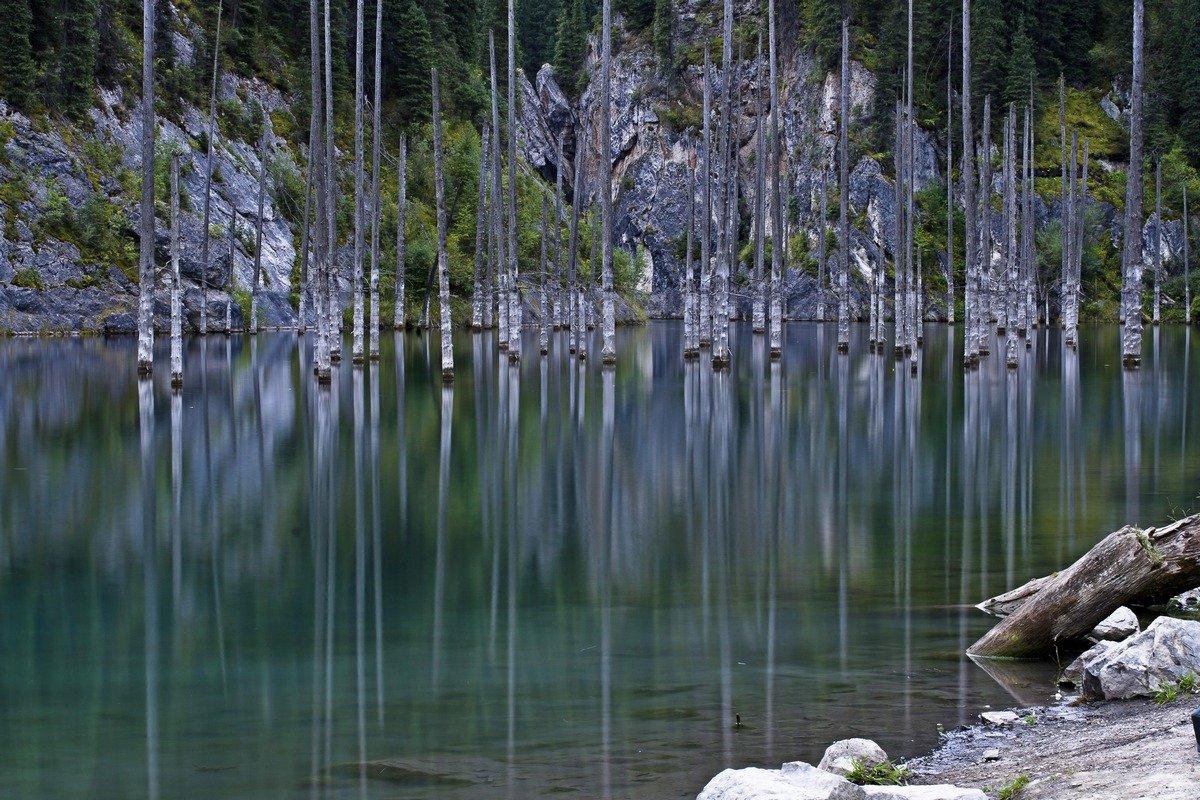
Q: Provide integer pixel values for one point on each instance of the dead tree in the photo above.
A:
(970, 295)
(443, 256)
(146, 266)
(843, 343)
(258, 229)
(399, 318)
(1131, 265)
(208, 173)
(480, 222)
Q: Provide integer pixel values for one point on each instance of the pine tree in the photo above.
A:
(79, 60)
(823, 25)
(16, 54)
(990, 49)
(570, 46)
(411, 57)
(664, 21)
(1021, 66)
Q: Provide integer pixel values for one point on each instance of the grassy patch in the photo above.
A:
(1167, 693)
(1013, 790)
(28, 279)
(885, 774)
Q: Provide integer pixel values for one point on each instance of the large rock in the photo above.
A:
(1117, 626)
(840, 756)
(1073, 674)
(796, 781)
(1188, 601)
(1163, 653)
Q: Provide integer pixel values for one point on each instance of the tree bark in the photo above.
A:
(574, 322)
(987, 293)
(258, 229)
(480, 222)
(1157, 242)
(690, 323)
(208, 173)
(608, 349)
(728, 196)
(544, 322)
(778, 236)
(400, 315)
(333, 300)
(1187, 274)
(843, 343)
(1068, 234)
(356, 353)
(559, 268)
(706, 201)
(1127, 566)
(950, 174)
(443, 256)
(316, 161)
(1131, 337)
(970, 291)
(145, 362)
(497, 206)
(514, 307)
(176, 288)
(376, 125)
(759, 310)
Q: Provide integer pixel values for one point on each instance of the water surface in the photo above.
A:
(548, 579)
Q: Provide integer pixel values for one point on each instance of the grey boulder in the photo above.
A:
(1117, 626)
(942, 791)
(840, 756)
(1163, 653)
(795, 781)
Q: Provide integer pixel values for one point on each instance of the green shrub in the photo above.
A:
(28, 279)
(885, 774)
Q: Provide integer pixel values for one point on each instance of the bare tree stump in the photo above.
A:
(1128, 566)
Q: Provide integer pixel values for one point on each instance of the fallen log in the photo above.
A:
(1146, 566)
(1004, 604)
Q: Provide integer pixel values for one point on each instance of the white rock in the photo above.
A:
(840, 755)
(1189, 601)
(1163, 653)
(938, 792)
(1073, 674)
(1117, 626)
(998, 717)
(796, 781)
(991, 754)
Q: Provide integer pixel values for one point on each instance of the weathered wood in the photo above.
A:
(843, 341)
(1129, 566)
(971, 289)
(208, 173)
(1002, 605)
(443, 257)
(1131, 264)
(146, 263)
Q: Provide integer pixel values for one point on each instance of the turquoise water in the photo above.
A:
(549, 579)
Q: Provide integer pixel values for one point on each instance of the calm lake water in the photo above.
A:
(549, 579)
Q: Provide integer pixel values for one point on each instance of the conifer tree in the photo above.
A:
(16, 53)
(570, 46)
(664, 21)
(1021, 65)
(823, 25)
(79, 60)
(411, 57)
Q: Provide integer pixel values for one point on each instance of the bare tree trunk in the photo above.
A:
(400, 315)
(1131, 338)
(443, 256)
(316, 161)
(950, 174)
(480, 222)
(574, 321)
(843, 344)
(1008, 302)
(176, 288)
(305, 241)
(1068, 230)
(759, 302)
(376, 211)
(608, 349)
(1130, 564)
(231, 285)
(706, 201)
(208, 173)
(778, 235)
(333, 300)
(544, 322)
(1070, 293)
(987, 293)
(258, 229)
(728, 193)
(1187, 274)
(1157, 242)
(822, 257)
(497, 206)
(910, 205)
(514, 307)
(970, 343)
(145, 362)
(359, 198)
(1023, 299)
(691, 347)
(898, 316)
(559, 268)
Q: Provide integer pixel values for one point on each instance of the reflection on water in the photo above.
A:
(549, 577)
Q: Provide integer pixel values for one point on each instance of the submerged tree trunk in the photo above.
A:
(779, 240)
(608, 349)
(690, 341)
(480, 222)
(1068, 229)
(987, 292)
(1128, 566)
(443, 256)
(400, 315)
(574, 322)
(356, 353)
(145, 358)
(544, 322)
(376, 125)
(514, 306)
(208, 173)
(843, 343)
(950, 174)
(258, 230)
(705, 306)
(316, 161)
(560, 272)
(176, 288)
(970, 291)
(728, 194)
(1131, 337)
(759, 302)
(1187, 274)
(1157, 242)
(306, 234)
(497, 206)
(333, 300)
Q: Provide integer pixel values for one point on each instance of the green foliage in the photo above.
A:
(570, 46)
(885, 774)
(1012, 790)
(28, 279)
(823, 31)
(1022, 69)
(97, 228)
(16, 54)
(664, 21)
(409, 58)
(1188, 683)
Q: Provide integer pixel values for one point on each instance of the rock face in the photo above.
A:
(1162, 654)
(1188, 601)
(1121, 624)
(942, 791)
(840, 756)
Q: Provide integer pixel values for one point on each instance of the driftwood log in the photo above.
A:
(1128, 567)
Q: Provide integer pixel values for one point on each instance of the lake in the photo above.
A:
(549, 579)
